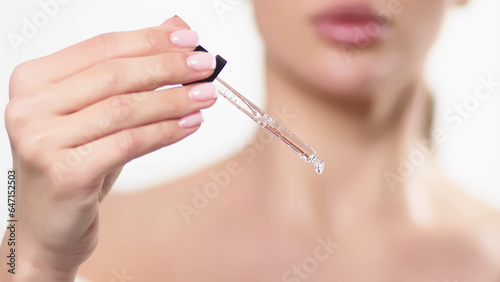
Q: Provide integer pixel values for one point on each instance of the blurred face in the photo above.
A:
(349, 47)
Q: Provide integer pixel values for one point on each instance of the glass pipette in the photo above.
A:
(270, 125)
(298, 146)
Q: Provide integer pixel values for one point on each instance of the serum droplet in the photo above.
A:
(319, 166)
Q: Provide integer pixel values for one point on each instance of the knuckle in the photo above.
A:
(108, 74)
(136, 98)
(21, 112)
(174, 104)
(104, 44)
(153, 75)
(151, 42)
(19, 77)
(16, 114)
(118, 108)
(167, 66)
(166, 130)
(13, 113)
(127, 142)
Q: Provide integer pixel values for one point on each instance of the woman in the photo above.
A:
(352, 72)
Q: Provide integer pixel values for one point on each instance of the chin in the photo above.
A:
(358, 77)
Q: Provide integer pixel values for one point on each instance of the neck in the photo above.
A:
(360, 140)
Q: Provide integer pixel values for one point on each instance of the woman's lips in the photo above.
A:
(356, 26)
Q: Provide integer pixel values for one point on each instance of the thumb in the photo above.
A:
(176, 21)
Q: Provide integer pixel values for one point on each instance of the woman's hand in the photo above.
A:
(77, 116)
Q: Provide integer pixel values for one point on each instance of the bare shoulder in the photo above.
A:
(468, 215)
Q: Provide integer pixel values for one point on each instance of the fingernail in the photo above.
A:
(203, 92)
(201, 61)
(184, 38)
(191, 120)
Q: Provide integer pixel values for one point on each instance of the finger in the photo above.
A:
(78, 57)
(132, 110)
(105, 155)
(120, 76)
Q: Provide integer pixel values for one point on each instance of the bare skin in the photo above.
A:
(151, 240)
(271, 219)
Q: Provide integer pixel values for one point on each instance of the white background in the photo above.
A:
(469, 48)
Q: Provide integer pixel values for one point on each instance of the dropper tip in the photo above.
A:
(319, 166)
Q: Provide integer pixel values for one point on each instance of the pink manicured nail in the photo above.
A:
(201, 61)
(203, 92)
(191, 120)
(184, 38)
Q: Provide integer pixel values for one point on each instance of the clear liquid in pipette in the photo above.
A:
(273, 127)
(293, 142)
